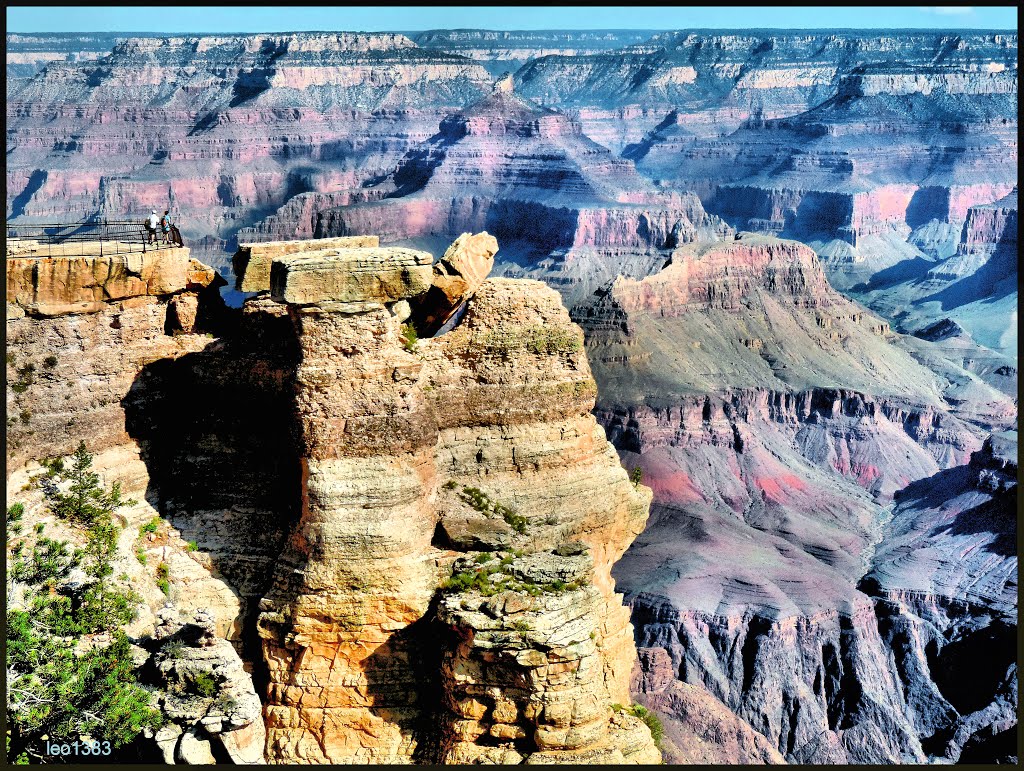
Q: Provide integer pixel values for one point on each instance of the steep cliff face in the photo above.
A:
(80, 329)
(719, 378)
(945, 573)
(397, 449)
(419, 536)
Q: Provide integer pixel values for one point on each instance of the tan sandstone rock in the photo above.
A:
(393, 436)
(252, 261)
(457, 275)
(350, 275)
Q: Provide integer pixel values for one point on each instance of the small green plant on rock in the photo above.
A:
(191, 546)
(481, 501)
(174, 649)
(163, 573)
(409, 338)
(204, 684)
(637, 476)
(50, 361)
(651, 720)
(150, 527)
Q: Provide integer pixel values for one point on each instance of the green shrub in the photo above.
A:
(451, 484)
(40, 526)
(204, 684)
(50, 361)
(409, 338)
(516, 521)
(25, 417)
(140, 555)
(637, 476)
(482, 502)
(85, 502)
(191, 546)
(483, 557)
(653, 722)
(150, 527)
(57, 691)
(174, 648)
(164, 585)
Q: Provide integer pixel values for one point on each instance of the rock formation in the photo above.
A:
(341, 515)
(457, 276)
(223, 716)
(746, 576)
(974, 287)
(945, 573)
(393, 441)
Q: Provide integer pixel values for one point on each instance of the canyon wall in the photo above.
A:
(772, 486)
(417, 537)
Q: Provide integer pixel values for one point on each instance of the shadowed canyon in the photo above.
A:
(537, 397)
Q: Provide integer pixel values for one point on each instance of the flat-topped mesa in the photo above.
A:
(251, 262)
(721, 274)
(476, 441)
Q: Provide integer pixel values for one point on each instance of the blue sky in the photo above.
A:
(176, 19)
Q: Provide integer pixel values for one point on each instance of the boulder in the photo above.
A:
(182, 311)
(457, 275)
(252, 261)
(195, 751)
(352, 275)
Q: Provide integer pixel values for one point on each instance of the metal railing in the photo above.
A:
(65, 239)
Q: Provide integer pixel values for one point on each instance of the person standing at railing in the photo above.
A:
(165, 226)
(151, 225)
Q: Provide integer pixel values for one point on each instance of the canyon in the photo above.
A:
(792, 256)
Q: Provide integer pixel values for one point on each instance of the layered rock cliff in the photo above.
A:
(564, 207)
(719, 378)
(417, 537)
(406, 456)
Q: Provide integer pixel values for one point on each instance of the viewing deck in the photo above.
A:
(82, 239)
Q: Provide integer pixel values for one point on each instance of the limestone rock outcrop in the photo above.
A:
(251, 262)
(350, 275)
(494, 417)
(457, 275)
(79, 331)
(208, 698)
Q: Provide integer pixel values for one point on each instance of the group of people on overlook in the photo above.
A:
(156, 225)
